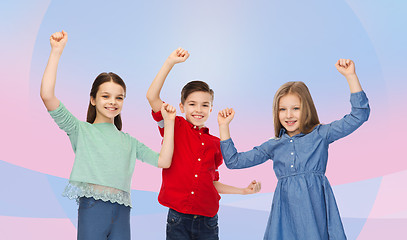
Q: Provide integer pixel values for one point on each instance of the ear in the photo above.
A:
(92, 101)
(211, 108)
(181, 106)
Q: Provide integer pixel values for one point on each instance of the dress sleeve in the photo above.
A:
(350, 122)
(145, 154)
(256, 156)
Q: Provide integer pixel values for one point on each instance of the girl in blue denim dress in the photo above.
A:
(304, 205)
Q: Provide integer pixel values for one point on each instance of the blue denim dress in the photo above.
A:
(304, 205)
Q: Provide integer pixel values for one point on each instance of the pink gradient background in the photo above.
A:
(30, 139)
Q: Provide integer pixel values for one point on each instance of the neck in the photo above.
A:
(104, 120)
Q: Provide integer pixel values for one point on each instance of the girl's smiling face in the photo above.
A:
(108, 102)
(289, 112)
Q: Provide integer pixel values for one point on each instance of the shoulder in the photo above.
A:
(180, 119)
(214, 138)
(273, 140)
(181, 122)
(319, 131)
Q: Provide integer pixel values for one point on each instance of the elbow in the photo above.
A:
(230, 163)
(364, 117)
(164, 164)
(150, 97)
(43, 96)
(367, 114)
(46, 97)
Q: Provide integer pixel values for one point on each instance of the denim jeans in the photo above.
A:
(102, 220)
(182, 226)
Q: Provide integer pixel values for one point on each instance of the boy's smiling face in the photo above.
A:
(197, 108)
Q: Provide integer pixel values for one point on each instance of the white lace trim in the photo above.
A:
(75, 190)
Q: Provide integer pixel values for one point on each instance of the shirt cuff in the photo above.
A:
(157, 116)
(216, 175)
(226, 141)
(359, 99)
(57, 109)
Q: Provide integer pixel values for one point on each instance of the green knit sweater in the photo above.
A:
(104, 156)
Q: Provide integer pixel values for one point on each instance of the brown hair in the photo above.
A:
(100, 79)
(195, 86)
(309, 116)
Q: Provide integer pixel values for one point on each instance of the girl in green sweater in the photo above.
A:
(104, 155)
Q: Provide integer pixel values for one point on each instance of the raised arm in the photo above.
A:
(360, 106)
(225, 116)
(347, 68)
(167, 149)
(153, 92)
(58, 41)
(232, 158)
(253, 187)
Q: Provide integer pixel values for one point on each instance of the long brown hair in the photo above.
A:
(100, 79)
(309, 116)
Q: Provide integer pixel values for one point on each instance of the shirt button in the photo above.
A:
(192, 192)
(196, 175)
(203, 144)
(199, 159)
(200, 133)
(194, 127)
(292, 153)
(291, 140)
(292, 165)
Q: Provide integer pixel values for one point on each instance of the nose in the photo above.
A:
(289, 113)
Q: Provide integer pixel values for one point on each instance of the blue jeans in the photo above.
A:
(102, 220)
(182, 226)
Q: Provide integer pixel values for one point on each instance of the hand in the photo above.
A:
(168, 112)
(254, 187)
(58, 41)
(346, 67)
(178, 56)
(225, 116)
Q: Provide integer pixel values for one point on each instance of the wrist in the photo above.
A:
(223, 125)
(244, 191)
(351, 76)
(170, 63)
(56, 52)
(169, 121)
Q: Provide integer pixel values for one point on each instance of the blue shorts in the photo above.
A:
(182, 226)
(102, 220)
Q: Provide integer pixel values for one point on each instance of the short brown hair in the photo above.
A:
(309, 116)
(195, 86)
(100, 79)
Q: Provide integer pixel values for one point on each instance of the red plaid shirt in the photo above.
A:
(187, 186)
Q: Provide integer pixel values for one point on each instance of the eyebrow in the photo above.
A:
(111, 94)
(280, 106)
(191, 101)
